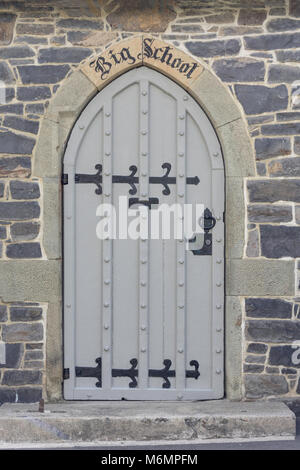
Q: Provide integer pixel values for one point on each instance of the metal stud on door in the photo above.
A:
(143, 316)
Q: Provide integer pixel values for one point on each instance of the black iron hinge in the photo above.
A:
(64, 178)
(66, 374)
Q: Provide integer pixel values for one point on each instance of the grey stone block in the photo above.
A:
(297, 145)
(253, 244)
(24, 190)
(33, 346)
(257, 99)
(294, 9)
(21, 124)
(33, 40)
(285, 167)
(268, 213)
(259, 386)
(284, 356)
(23, 250)
(272, 147)
(7, 395)
(253, 368)
(279, 241)
(248, 16)
(3, 313)
(255, 359)
(288, 55)
(240, 70)
(214, 48)
(7, 21)
(13, 355)
(6, 73)
(15, 143)
(19, 210)
(283, 24)
(274, 190)
(3, 233)
(34, 355)
(274, 331)
(36, 108)
(288, 116)
(24, 231)
(26, 313)
(261, 169)
(34, 365)
(63, 55)
(15, 167)
(14, 52)
(35, 74)
(72, 23)
(258, 348)
(19, 332)
(268, 308)
(269, 42)
(38, 29)
(283, 73)
(22, 377)
(33, 93)
(11, 109)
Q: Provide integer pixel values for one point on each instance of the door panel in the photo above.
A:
(143, 318)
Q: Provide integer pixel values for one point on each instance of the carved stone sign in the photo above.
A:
(138, 51)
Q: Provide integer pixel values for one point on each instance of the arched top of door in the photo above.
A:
(189, 72)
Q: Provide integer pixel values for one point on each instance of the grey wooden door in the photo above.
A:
(143, 319)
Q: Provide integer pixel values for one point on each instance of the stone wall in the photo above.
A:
(254, 49)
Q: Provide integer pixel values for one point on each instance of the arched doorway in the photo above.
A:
(143, 317)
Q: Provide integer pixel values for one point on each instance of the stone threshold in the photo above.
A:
(86, 422)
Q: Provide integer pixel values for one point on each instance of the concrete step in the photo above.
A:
(68, 422)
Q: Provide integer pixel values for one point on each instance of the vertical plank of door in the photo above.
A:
(107, 252)
(143, 365)
(181, 308)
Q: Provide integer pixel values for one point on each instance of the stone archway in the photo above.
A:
(227, 120)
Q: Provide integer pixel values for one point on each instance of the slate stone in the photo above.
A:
(24, 190)
(15, 167)
(277, 12)
(3, 313)
(72, 23)
(29, 395)
(297, 145)
(297, 391)
(35, 74)
(35, 108)
(9, 94)
(35, 29)
(24, 231)
(281, 129)
(58, 40)
(3, 233)
(34, 355)
(294, 8)
(34, 365)
(6, 74)
(285, 167)
(267, 213)
(187, 28)
(239, 30)
(257, 99)
(240, 70)
(15, 52)
(251, 17)
(21, 124)
(15, 143)
(255, 359)
(272, 190)
(288, 371)
(274, 147)
(279, 241)
(7, 395)
(288, 56)
(220, 18)
(288, 116)
(273, 331)
(32, 40)
(26, 313)
(7, 24)
(22, 377)
(13, 355)
(260, 119)
(283, 24)
(259, 386)
(214, 48)
(12, 109)
(261, 169)
(287, 356)
(17, 332)
(33, 93)
(253, 368)
(63, 55)
(23, 250)
(19, 210)
(253, 244)
(268, 308)
(270, 42)
(258, 348)
(283, 74)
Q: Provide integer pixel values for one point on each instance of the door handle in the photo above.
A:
(209, 223)
(151, 201)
